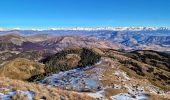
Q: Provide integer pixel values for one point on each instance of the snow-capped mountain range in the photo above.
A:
(93, 29)
(154, 38)
(115, 28)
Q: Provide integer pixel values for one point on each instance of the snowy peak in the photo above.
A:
(92, 29)
(114, 28)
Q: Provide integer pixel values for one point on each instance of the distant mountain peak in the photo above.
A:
(91, 28)
(114, 28)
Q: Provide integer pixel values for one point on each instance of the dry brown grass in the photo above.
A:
(156, 97)
(40, 91)
(110, 92)
(139, 70)
(18, 96)
(21, 68)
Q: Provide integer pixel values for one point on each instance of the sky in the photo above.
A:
(83, 13)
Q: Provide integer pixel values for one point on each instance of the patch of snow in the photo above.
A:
(126, 96)
(98, 63)
(134, 89)
(155, 90)
(122, 75)
(6, 96)
(90, 83)
(2, 63)
(98, 95)
(117, 86)
(76, 79)
(28, 94)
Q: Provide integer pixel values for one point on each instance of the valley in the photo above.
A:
(85, 64)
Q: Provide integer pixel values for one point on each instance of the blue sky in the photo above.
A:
(83, 13)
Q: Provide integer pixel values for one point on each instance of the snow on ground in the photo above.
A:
(153, 89)
(76, 79)
(6, 96)
(126, 96)
(135, 92)
(97, 95)
(29, 94)
(122, 75)
(89, 80)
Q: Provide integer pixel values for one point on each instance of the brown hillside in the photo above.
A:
(21, 68)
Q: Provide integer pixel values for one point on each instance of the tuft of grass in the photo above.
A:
(40, 91)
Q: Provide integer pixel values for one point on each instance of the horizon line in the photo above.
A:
(58, 28)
